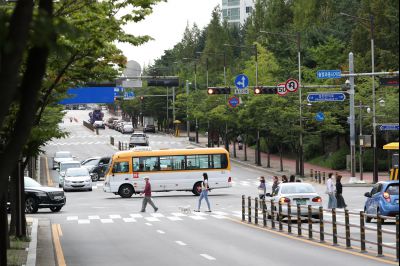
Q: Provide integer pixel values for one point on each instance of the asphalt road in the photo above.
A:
(97, 228)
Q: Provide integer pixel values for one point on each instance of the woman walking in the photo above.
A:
(284, 179)
(204, 193)
(262, 188)
(330, 190)
(339, 191)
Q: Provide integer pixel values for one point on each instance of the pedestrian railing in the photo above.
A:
(271, 214)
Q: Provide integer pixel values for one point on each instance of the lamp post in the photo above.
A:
(195, 87)
(361, 143)
(187, 108)
(298, 42)
(371, 20)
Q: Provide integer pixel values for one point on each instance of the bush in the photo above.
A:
(312, 148)
(368, 159)
(337, 160)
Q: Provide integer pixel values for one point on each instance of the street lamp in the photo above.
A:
(187, 108)
(361, 140)
(374, 125)
(298, 42)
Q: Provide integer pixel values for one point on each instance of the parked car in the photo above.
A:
(77, 179)
(99, 124)
(61, 156)
(40, 197)
(297, 193)
(96, 166)
(138, 139)
(110, 122)
(382, 200)
(127, 128)
(149, 128)
(64, 166)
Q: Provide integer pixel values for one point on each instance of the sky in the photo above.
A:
(166, 25)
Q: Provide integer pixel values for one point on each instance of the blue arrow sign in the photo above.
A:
(326, 97)
(388, 127)
(241, 81)
(320, 117)
(329, 74)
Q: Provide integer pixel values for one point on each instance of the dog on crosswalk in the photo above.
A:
(185, 209)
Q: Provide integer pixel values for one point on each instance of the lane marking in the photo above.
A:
(197, 217)
(94, 217)
(152, 219)
(174, 218)
(115, 216)
(148, 224)
(60, 233)
(160, 232)
(106, 221)
(180, 243)
(83, 221)
(355, 253)
(129, 220)
(207, 257)
(158, 215)
(49, 180)
(72, 218)
(57, 245)
(136, 215)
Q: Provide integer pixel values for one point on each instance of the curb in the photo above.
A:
(358, 185)
(31, 259)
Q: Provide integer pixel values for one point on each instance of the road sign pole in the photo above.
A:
(301, 159)
(352, 118)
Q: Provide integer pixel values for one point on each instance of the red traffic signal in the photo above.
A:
(218, 90)
(264, 90)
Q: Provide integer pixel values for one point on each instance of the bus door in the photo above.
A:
(120, 174)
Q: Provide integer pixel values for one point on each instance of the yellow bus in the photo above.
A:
(168, 170)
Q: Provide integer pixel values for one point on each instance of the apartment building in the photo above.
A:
(237, 11)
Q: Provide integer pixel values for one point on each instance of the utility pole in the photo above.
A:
(352, 118)
(187, 109)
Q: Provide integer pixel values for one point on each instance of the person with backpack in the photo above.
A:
(204, 193)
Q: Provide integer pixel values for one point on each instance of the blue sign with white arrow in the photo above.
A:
(241, 81)
(388, 127)
(320, 117)
(326, 97)
(329, 74)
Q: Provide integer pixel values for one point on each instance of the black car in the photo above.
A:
(97, 166)
(149, 128)
(40, 197)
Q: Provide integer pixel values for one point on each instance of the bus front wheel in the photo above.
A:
(197, 189)
(126, 191)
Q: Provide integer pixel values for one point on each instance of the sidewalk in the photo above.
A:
(289, 165)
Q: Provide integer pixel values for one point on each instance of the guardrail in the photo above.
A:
(123, 146)
(91, 127)
(273, 215)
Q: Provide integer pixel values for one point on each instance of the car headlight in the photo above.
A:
(67, 181)
(41, 194)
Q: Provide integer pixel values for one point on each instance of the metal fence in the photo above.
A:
(273, 215)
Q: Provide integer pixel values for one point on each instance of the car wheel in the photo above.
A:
(95, 177)
(197, 189)
(125, 191)
(367, 219)
(31, 205)
(55, 209)
(378, 212)
(90, 189)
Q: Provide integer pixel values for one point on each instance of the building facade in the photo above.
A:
(237, 11)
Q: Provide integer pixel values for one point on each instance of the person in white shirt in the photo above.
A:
(204, 193)
(330, 190)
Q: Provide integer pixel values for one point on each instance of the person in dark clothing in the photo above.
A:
(275, 183)
(292, 179)
(339, 191)
(147, 196)
(284, 179)
(262, 189)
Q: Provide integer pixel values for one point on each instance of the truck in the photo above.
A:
(96, 115)
(148, 120)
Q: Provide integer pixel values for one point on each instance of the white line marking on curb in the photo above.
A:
(180, 243)
(207, 257)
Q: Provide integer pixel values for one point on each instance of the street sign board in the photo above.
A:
(129, 95)
(89, 95)
(389, 127)
(329, 74)
(234, 101)
(281, 89)
(326, 97)
(241, 81)
(241, 91)
(292, 85)
(320, 117)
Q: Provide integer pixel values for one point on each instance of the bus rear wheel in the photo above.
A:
(197, 189)
(126, 191)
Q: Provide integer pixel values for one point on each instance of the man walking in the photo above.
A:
(147, 196)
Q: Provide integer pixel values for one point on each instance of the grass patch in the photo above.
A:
(18, 251)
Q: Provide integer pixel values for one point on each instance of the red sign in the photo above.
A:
(292, 85)
(281, 89)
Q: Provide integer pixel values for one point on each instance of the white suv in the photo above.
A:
(138, 139)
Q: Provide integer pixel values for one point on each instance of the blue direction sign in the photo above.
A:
(241, 81)
(329, 74)
(388, 127)
(320, 117)
(326, 97)
(234, 101)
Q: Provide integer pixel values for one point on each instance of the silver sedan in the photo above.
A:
(77, 179)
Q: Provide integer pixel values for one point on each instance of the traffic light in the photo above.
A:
(218, 90)
(264, 90)
(141, 98)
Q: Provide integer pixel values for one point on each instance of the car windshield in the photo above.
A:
(65, 166)
(91, 162)
(393, 189)
(64, 154)
(77, 172)
(29, 182)
(297, 189)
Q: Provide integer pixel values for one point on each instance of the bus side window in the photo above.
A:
(135, 164)
(121, 167)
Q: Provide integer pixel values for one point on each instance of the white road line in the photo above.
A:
(207, 257)
(157, 215)
(152, 219)
(220, 213)
(178, 214)
(219, 216)
(83, 221)
(148, 224)
(106, 221)
(174, 218)
(136, 215)
(129, 220)
(115, 216)
(180, 243)
(72, 218)
(94, 217)
(194, 217)
(160, 232)
(200, 214)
